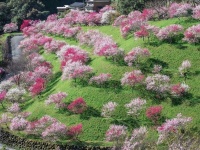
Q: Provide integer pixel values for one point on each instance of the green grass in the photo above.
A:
(168, 55)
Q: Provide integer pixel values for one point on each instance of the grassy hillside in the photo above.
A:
(170, 56)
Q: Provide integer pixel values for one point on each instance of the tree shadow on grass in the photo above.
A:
(128, 122)
(27, 104)
(90, 112)
(55, 79)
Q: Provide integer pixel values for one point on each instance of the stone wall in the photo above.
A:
(21, 143)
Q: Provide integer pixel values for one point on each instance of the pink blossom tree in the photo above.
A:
(108, 109)
(117, 134)
(172, 128)
(57, 99)
(132, 78)
(75, 70)
(11, 27)
(158, 83)
(18, 124)
(136, 140)
(169, 32)
(135, 55)
(135, 107)
(100, 79)
(179, 90)
(55, 131)
(196, 12)
(191, 35)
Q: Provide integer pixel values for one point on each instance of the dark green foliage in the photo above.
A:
(4, 15)
(126, 6)
(26, 9)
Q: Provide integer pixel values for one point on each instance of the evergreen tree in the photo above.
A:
(26, 9)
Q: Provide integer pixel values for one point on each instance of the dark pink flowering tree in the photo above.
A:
(78, 106)
(37, 87)
(154, 113)
(74, 131)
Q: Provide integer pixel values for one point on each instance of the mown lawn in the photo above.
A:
(170, 56)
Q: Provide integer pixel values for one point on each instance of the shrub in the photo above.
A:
(78, 106)
(15, 94)
(2, 97)
(154, 113)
